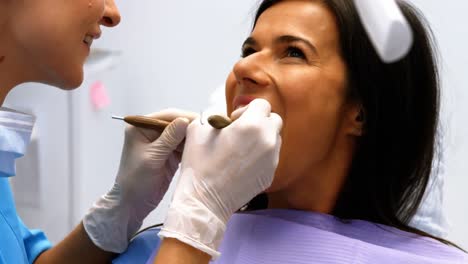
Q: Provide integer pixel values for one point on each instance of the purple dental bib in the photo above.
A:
(297, 237)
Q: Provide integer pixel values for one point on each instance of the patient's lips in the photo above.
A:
(242, 100)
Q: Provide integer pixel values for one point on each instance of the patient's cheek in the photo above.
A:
(230, 91)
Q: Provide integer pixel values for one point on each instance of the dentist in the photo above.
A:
(48, 41)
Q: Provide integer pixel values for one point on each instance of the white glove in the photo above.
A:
(148, 163)
(221, 171)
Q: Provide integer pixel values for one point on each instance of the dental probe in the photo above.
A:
(216, 121)
(144, 122)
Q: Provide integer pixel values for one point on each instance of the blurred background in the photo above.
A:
(175, 54)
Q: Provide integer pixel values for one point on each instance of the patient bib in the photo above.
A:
(298, 237)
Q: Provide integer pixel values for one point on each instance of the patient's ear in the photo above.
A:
(355, 120)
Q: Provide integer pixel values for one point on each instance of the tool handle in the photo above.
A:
(216, 121)
(147, 122)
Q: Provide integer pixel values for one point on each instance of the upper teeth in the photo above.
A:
(88, 40)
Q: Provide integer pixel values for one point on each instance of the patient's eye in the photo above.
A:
(295, 52)
(246, 51)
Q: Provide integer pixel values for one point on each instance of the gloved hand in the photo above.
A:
(148, 162)
(221, 171)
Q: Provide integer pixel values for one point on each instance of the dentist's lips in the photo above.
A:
(242, 100)
(88, 40)
(90, 37)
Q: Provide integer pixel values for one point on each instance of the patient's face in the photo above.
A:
(292, 60)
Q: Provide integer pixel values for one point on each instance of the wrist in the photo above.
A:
(194, 224)
(110, 222)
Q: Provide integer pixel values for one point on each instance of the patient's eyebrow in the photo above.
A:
(249, 42)
(290, 39)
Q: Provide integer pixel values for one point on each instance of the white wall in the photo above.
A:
(448, 20)
(174, 53)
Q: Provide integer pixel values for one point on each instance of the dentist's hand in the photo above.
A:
(148, 163)
(221, 171)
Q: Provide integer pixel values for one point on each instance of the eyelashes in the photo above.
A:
(246, 51)
(290, 51)
(295, 52)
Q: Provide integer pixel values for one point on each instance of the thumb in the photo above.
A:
(172, 136)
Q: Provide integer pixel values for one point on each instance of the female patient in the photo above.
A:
(359, 139)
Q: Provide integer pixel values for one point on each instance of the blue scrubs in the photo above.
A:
(18, 244)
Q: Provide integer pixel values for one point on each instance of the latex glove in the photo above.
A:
(148, 162)
(221, 171)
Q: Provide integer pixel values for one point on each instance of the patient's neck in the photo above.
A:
(319, 189)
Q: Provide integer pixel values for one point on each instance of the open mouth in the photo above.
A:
(242, 100)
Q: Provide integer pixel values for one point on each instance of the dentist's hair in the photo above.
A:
(395, 155)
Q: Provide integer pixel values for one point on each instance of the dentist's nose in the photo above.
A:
(111, 16)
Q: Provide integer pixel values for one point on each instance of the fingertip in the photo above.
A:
(238, 112)
(277, 121)
(183, 120)
(259, 105)
(262, 103)
(180, 125)
(170, 114)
